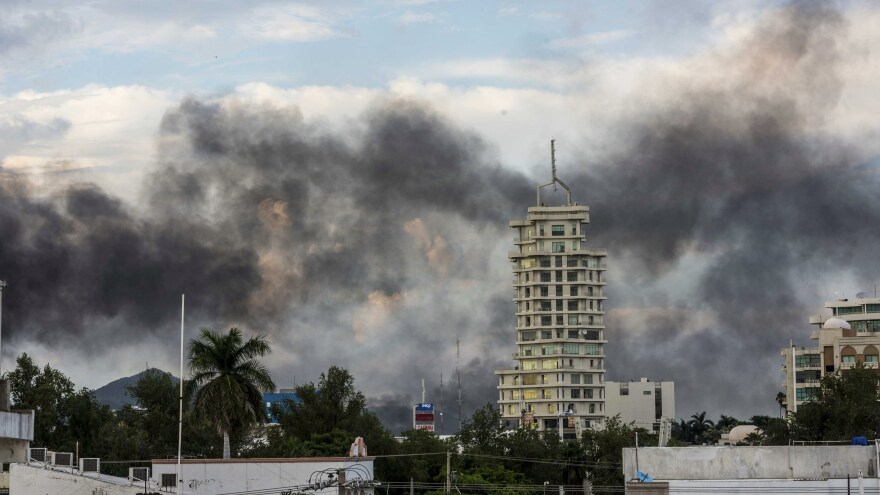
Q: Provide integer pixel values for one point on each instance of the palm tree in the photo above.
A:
(780, 399)
(228, 380)
(700, 424)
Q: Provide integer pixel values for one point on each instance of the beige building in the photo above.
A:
(644, 403)
(850, 334)
(559, 292)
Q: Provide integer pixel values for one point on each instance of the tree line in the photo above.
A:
(224, 415)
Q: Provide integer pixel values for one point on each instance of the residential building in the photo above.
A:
(747, 469)
(850, 334)
(644, 403)
(559, 296)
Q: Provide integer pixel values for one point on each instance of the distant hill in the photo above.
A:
(113, 394)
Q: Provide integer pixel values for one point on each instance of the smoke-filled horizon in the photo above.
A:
(728, 213)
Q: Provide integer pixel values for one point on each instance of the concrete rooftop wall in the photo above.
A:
(18, 425)
(731, 463)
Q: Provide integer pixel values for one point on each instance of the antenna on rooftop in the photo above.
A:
(441, 402)
(554, 179)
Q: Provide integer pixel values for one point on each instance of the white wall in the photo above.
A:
(210, 476)
(730, 463)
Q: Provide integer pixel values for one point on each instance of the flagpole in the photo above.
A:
(180, 418)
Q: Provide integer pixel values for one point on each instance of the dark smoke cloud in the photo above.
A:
(377, 246)
(736, 176)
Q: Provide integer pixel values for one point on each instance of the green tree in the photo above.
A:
(700, 426)
(328, 411)
(604, 454)
(228, 380)
(63, 415)
(845, 406)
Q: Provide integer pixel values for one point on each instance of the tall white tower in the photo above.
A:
(558, 283)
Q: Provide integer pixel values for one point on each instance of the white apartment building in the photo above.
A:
(644, 403)
(850, 334)
(559, 293)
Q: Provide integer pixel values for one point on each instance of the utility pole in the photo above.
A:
(458, 374)
(340, 477)
(448, 471)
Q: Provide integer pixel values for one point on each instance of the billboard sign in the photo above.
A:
(423, 416)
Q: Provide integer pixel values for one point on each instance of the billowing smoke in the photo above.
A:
(379, 244)
(732, 183)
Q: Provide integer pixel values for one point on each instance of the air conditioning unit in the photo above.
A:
(90, 465)
(37, 455)
(138, 474)
(62, 459)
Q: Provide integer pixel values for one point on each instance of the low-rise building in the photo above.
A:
(644, 403)
(849, 335)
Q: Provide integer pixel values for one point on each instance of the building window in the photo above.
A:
(551, 409)
(572, 305)
(547, 350)
(808, 393)
(558, 291)
(573, 291)
(559, 276)
(530, 365)
(545, 261)
(545, 306)
(624, 389)
(546, 393)
(543, 379)
(514, 394)
(573, 319)
(807, 361)
(546, 321)
(558, 261)
(546, 334)
(574, 229)
(545, 277)
(871, 358)
(588, 393)
(528, 292)
(572, 334)
(575, 379)
(511, 409)
(569, 348)
(572, 276)
(528, 335)
(571, 262)
(588, 379)
(528, 350)
(557, 230)
(592, 408)
(541, 229)
(545, 291)
(646, 392)
(558, 246)
(575, 393)
(559, 319)
(530, 394)
(574, 245)
(589, 291)
(872, 308)
(559, 305)
(591, 349)
(528, 321)
(548, 364)
(848, 359)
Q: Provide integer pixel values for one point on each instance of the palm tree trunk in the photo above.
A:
(225, 445)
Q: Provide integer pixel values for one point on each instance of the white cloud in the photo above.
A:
(409, 18)
(590, 40)
(293, 23)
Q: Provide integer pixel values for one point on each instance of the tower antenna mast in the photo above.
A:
(458, 375)
(554, 179)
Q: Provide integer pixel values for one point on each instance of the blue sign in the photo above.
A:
(425, 407)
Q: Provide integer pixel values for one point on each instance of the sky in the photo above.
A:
(339, 176)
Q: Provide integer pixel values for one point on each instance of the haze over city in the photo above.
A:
(340, 176)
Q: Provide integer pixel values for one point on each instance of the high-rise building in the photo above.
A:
(559, 294)
(851, 334)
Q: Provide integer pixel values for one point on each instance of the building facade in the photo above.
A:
(559, 294)
(849, 335)
(644, 403)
